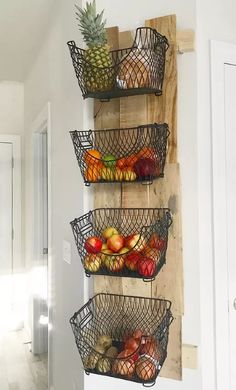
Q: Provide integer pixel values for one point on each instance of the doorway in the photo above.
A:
(12, 276)
(40, 267)
(224, 209)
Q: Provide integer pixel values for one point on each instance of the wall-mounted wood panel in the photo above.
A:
(133, 111)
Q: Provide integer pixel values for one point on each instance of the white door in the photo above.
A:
(6, 205)
(230, 151)
(223, 66)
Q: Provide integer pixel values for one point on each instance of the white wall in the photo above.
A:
(215, 20)
(52, 79)
(131, 15)
(11, 107)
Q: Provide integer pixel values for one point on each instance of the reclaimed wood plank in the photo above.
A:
(164, 108)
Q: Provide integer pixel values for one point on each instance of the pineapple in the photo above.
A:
(97, 67)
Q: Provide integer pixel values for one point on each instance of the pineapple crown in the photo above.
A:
(91, 25)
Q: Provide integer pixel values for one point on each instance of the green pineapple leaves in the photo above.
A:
(91, 25)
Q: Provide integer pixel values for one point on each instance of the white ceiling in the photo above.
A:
(22, 27)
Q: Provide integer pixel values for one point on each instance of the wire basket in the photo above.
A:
(136, 70)
(135, 154)
(123, 336)
(123, 242)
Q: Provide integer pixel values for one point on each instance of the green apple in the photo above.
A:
(108, 232)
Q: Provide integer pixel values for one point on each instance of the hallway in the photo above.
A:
(19, 369)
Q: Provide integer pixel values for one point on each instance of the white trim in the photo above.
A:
(221, 54)
(15, 140)
(44, 120)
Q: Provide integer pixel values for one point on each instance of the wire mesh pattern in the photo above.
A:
(135, 154)
(123, 242)
(123, 336)
(135, 70)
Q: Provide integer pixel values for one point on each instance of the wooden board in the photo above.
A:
(172, 367)
(164, 193)
(133, 111)
(164, 108)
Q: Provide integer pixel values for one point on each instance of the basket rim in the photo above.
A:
(88, 133)
(162, 38)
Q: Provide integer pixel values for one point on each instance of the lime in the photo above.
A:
(109, 160)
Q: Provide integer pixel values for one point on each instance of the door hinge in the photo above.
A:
(45, 251)
(12, 234)
(12, 161)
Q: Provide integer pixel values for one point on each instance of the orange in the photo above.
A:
(146, 152)
(131, 160)
(121, 163)
(92, 156)
(92, 173)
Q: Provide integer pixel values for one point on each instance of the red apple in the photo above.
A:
(108, 232)
(93, 244)
(146, 267)
(145, 168)
(115, 242)
(115, 263)
(153, 253)
(132, 259)
(135, 241)
(157, 242)
(92, 262)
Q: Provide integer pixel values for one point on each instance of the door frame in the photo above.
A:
(43, 120)
(15, 140)
(221, 54)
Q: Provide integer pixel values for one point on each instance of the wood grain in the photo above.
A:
(133, 111)
(164, 108)
(107, 116)
(172, 367)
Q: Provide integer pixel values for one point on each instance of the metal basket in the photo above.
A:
(135, 154)
(136, 70)
(145, 239)
(108, 323)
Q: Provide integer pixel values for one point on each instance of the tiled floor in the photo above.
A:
(19, 368)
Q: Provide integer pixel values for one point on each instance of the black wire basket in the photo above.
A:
(123, 242)
(135, 154)
(135, 70)
(123, 336)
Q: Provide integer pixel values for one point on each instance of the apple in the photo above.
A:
(104, 255)
(153, 253)
(104, 247)
(93, 244)
(115, 242)
(115, 263)
(146, 267)
(123, 250)
(92, 262)
(145, 168)
(158, 242)
(132, 260)
(109, 231)
(137, 241)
